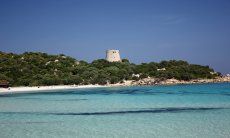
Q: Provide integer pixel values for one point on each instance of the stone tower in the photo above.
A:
(113, 56)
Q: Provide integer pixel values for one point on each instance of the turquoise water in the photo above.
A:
(132, 112)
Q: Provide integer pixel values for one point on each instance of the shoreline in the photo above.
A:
(53, 88)
(128, 83)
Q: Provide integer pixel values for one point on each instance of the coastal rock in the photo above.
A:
(173, 81)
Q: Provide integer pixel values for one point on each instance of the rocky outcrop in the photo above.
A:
(158, 81)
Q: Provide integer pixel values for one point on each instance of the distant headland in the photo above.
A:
(42, 69)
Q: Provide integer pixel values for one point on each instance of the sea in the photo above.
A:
(179, 111)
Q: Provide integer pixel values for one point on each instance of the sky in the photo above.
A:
(197, 31)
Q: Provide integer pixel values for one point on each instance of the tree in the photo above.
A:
(36, 68)
(125, 61)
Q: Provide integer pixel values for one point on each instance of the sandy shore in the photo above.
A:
(12, 90)
(145, 81)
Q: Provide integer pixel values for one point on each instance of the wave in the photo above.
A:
(151, 110)
(28, 122)
(133, 91)
(158, 110)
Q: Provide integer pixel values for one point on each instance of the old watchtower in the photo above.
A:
(113, 56)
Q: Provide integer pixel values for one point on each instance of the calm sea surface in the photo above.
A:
(134, 112)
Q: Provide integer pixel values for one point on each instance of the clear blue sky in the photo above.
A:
(143, 30)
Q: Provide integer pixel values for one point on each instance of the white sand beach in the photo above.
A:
(12, 90)
(146, 81)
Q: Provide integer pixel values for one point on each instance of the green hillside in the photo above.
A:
(34, 69)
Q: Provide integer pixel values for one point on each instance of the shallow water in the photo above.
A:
(151, 111)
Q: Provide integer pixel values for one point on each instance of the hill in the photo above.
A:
(35, 68)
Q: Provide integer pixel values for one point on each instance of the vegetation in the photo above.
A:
(34, 69)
